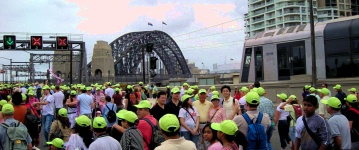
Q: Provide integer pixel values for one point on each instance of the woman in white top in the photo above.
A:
(283, 125)
(81, 138)
(189, 119)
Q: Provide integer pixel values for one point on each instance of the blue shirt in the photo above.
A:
(3, 134)
(105, 110)
(85, 101)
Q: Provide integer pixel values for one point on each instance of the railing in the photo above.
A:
(285, 5)
(258, 20)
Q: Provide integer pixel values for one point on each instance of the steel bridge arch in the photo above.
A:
(126, 51)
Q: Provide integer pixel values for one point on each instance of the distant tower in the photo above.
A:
(62, 69)
(102, 61)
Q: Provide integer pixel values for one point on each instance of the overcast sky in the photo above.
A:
(108, 19)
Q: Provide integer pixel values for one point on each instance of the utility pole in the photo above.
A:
(312, 37)
(70, 74)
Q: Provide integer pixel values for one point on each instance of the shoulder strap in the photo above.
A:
(153, 127)
(214, 115)
(246, 117)
(260, 117)
(149, 122)
(4, 125)
(108, 107)
(310, 132)
(355, 110)
(191, 116)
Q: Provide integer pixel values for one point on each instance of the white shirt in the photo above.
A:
(59, 99)
(74, 142)
(242, 100)
(105, 143)
(23, 90)
(48, 109)
(283, 114)
(109, 92)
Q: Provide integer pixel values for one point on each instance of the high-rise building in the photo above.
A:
(266, 15)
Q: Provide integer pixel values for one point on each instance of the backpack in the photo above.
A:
(32, 122)
(297, 111)
(256, 136)
(157, 138)
(16, 137)
(111, 115)
(57, 133)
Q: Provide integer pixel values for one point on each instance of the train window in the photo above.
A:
(246, 64)
(291, 59)
(337, 47)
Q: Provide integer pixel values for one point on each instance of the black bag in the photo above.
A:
(32, 122)
(57, 134)
(111, 115)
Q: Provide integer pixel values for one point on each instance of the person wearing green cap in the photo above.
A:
(184, 88)
(72, 108)
(306, 91)
(324, 95)
(132, 137)
(58, 99)
(173, 105)
(103, 141)
(229, 135)
(56, 144)
(252, 113)
(158, 110)
(216, 114)
(109, 90)
(353, 115)
(341, 96)
(210, 91)
(242, 100)
(2, 102)
(338, 124)
(19, 128)
(82, 135)
(189, 119)
(61, 124)
(170, 128)
(85, 103)
(47, 111)
(282, 121)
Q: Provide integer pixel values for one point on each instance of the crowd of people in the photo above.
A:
(107, 116)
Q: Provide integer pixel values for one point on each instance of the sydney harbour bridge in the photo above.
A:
(130, 50)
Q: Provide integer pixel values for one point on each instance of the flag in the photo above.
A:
(150, 24)
(164, 23)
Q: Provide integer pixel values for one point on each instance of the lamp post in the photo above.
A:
(312, 37)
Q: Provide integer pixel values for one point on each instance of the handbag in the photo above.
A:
(57, 133)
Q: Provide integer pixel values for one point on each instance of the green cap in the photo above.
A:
(168, 86)
(130, 116)
(352, 90)
(294, 98)
(31, 93)
(57, 142)
(254, 90)
(261, 91)
(185, 84)
(73, 92)
(2, 102)
(175, 90)
(83, 121)
(117, 89)
(337, 87)
(215, 93)
(52, 87)
(228, 127)
(196, 97)
(88, 88)
(169, 123)
(99, 122)
(7, 109)
(202, 91)
(244, 89)
(140, 83)
(189, 91)
(108, 83)
(333, 102)
(63, 112)
(307, 87)
(9, 97)
(214, 97)
(324, 91)
(195, 87)
(23, 97)
(46, 87)
(312, 89)
(144, 104)
(121, 114)
(252, 98)
(98, 88)
(282, 96)
(213, 88)
(351, 98)
(185, 96)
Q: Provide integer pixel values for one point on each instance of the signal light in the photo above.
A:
(36, 42)
(9, 41)
(61, 42)
(153, 61)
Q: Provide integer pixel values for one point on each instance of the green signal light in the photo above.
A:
(9, 41)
